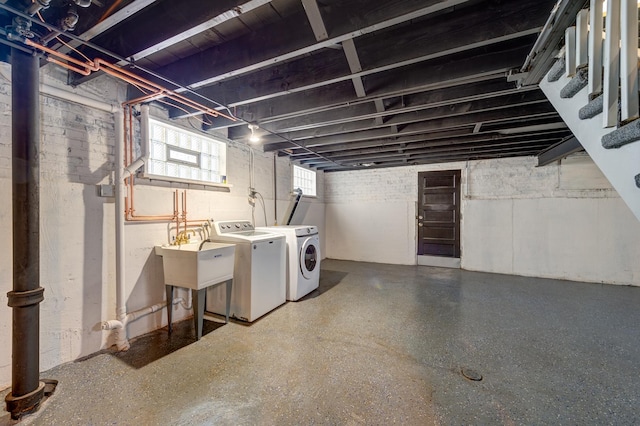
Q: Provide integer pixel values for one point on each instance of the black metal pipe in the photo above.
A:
(26, 389)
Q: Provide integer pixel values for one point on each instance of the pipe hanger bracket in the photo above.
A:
(21, 299)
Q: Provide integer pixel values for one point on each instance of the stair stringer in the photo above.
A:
(619, 165)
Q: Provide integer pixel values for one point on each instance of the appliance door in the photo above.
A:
(309, 256)
(268, 276)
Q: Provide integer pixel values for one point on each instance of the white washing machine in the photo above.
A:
(303, 258)
(259, 273)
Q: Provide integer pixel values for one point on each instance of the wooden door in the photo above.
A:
(439, 213)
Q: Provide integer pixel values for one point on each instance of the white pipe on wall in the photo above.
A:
(119, 325)
(122, 344)
(65, 95)
(79, 99)
(144, 311)
(144, 137)
(132, 316)
(122, 318)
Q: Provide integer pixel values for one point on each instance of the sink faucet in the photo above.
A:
(182, 238)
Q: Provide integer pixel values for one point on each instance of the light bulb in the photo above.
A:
(253, 138)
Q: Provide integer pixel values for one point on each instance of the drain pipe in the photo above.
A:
(132, 316)
(121, 302)
(121, 172)
(27, 390)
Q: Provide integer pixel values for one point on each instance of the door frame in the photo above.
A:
(439, 261)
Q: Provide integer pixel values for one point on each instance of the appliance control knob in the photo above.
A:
(238, 225)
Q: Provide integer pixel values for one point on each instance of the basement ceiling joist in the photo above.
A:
(400, 146)
(337, 83)
(406, 81)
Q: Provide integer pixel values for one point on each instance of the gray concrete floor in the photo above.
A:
(379, 344)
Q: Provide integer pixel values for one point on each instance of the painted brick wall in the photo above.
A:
(77, 226)
(6, 259)
(561, 221)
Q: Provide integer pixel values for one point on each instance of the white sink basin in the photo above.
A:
(186, 266)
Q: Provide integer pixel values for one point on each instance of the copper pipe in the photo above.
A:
(88, 66)
(120, 73)
(161, 90)
(109, 11)
(184, 209)
(72, 68)
(141, 99)
(130, 159)
(176, 212)
(148, 219)
(124, 126)
(157, 90)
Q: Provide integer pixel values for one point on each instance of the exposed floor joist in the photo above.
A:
(353, 81)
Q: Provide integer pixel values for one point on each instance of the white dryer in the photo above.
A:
(303, 258)
(259, 274)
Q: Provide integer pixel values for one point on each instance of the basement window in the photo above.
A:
(179, 155)
(304, 179)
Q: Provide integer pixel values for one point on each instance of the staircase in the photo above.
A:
(594, 87)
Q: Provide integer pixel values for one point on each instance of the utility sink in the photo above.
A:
(190, 266)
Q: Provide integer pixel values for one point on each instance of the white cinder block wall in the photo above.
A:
(77, 235)
(559, 221)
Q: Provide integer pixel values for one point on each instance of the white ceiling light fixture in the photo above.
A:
(253, 138)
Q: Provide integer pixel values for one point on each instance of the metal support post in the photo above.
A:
(27, 390)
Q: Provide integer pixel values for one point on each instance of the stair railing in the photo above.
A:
(589, 51)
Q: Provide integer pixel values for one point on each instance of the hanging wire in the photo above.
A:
(161, 77)
(264, 209)
(73, 48)
(112, 55)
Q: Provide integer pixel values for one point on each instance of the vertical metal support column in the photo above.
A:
(27, 391)
(611, 64)
(595, 49)
(629, 60)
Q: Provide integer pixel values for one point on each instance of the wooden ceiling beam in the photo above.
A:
(421, 143)
(437, 150)
(532, 111)
(329, 66)
(464, 108)
(411, 80)
(439, 158)
(289, 39)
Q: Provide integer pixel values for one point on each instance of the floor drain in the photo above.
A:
(471, 374)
